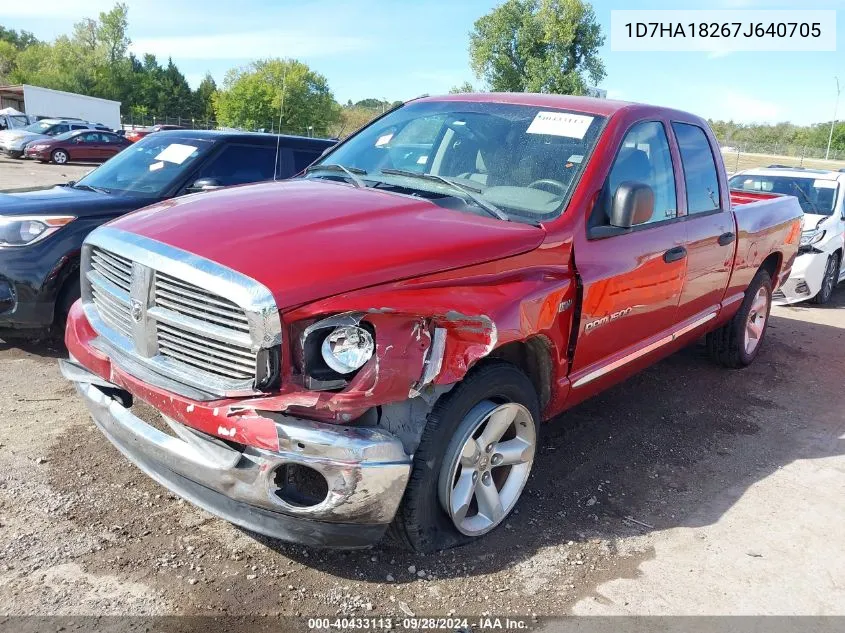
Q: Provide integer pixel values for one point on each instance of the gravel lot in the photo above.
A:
(19, 174)
(689, 489)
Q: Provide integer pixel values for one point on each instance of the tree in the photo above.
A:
(19, 39)
(538, 46)
(8, 54)
(264, 92)
(464, 87)
(204, 97)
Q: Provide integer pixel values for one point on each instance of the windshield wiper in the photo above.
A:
(489, 207)
(807, 198)
(349, 171)
(91, 188)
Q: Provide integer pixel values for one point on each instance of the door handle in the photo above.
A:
(674, 254)
(726, 238)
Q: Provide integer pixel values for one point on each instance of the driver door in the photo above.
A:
(631, 280)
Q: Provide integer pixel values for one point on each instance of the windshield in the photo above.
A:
(816, 196)
(39, 128)
(148, 167)
(514, 161)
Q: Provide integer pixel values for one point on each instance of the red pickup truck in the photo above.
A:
(376, 342)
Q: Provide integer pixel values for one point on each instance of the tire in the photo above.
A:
(423, 522)
(70, 292)
(829, 281)
(59, 157)
(729, 345)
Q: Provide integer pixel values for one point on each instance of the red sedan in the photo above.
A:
(137, 134)
(77, 145)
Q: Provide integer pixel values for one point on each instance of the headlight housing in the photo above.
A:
(333, 349)
(347, 348)
(23, 230)
(812, 236)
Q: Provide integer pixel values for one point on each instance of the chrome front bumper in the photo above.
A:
(365, 469)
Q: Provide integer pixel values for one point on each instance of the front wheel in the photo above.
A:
(737, 343)
(831, 277)
(59, 157)
(474, 459)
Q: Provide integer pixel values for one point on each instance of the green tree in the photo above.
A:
(267, 91)
(204, 98)
(19, 39)
(538, 46)
(464, 87)
(8, 55)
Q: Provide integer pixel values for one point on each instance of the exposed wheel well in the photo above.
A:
(532, 356)
(772, 266)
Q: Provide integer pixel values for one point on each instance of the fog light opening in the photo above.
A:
(300, 486)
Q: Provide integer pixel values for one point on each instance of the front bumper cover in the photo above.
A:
(366, 470)
(805, 279)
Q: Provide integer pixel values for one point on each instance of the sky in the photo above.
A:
(399, 49)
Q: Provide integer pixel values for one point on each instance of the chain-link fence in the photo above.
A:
(193, 123)
(741, 155)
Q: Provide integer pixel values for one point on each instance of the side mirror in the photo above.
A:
(204, 184)
(633, 203)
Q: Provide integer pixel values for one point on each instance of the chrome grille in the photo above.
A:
(203, 351)
(197, 303)
(111, 295)
(167, 315)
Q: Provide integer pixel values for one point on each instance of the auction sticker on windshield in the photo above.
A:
(176, 153)
(560, 124)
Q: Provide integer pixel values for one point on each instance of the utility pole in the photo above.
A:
(832, 123)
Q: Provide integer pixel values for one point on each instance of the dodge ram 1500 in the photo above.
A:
(376, 342)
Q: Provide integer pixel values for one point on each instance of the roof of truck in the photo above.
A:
(252, 137)
(590, 105)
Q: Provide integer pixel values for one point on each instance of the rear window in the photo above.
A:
(816, 195)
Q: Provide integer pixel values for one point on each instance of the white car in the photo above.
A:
(821, 193)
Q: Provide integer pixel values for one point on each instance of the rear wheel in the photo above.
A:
(737, 343)
(488, 425)
(59, 156)
(831, 277)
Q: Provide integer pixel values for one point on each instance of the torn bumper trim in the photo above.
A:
(366, 471)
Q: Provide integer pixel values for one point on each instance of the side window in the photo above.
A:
(645, 157)
(303, 158)
(78, 127)
(89, 138)
(240, 164)
(700, 172)
(59, 128)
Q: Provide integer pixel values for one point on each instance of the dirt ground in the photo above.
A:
(22, 174)
(689, 489)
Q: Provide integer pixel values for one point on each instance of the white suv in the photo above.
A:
(819, 265)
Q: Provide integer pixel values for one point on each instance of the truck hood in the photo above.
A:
(308, 239)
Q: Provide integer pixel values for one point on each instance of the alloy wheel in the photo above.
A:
(755, 324)
(482, 480)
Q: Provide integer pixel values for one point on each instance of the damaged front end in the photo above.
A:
(300, 426)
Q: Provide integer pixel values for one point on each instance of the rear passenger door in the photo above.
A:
(631, 280)
(710, 224)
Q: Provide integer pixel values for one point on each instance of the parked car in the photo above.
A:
(369, 345)
(136, 134)
(821, 194)
(41, 232)
(78, 146)
(13, 142)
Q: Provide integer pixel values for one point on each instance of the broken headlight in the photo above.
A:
(347, 348)
(333, 349)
